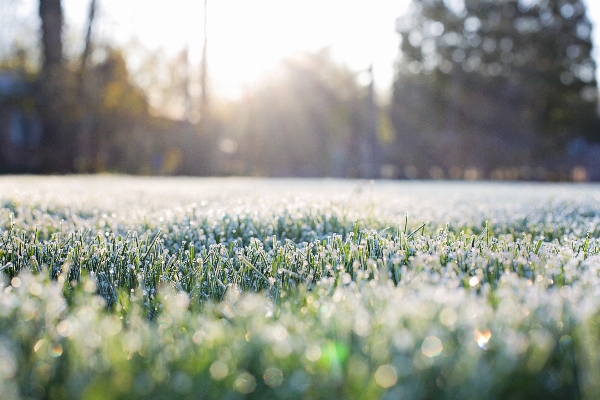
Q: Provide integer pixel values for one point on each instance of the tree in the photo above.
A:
(56, 98)
(306, 119)
(494, 83)
(83, 151)
(52, 23)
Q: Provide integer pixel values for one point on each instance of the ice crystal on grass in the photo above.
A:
(157, 288)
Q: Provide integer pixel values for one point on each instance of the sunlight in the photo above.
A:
(247, 39)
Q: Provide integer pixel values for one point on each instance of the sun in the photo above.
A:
(248, 38)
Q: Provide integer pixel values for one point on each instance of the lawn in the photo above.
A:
(158, 288)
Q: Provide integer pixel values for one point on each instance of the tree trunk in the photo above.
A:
(83, 153)
(52, 21)
(53, 97)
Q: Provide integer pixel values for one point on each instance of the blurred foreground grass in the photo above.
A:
(118, 287)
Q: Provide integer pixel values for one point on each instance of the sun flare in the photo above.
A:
(248, 39)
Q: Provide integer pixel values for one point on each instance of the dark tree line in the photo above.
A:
(95, 119)
(483, 88)
(493, 84)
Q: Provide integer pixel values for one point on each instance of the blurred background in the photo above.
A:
(406, 89)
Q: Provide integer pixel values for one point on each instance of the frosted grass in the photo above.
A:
(162, 287)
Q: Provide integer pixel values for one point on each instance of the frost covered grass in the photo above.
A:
(116, 287)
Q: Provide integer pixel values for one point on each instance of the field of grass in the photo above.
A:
(150, 288)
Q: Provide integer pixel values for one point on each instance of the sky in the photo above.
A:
(247, 38)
